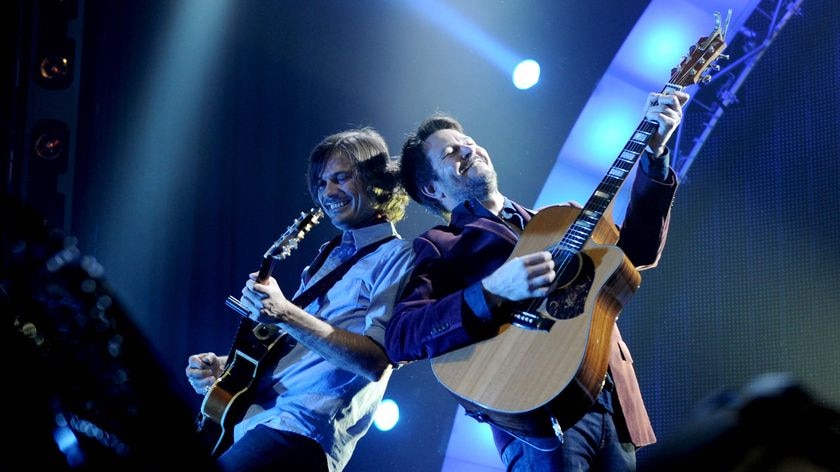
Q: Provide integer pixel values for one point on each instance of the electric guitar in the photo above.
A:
(545, 367)
(256, 346)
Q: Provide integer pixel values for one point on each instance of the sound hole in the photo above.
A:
(568, 299)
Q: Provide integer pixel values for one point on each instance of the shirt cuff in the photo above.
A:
(474, 298)
(656, 167)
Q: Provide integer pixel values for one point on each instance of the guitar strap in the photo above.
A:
(324, 284)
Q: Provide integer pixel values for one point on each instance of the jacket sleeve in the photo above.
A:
(433, 315)
(645, 226)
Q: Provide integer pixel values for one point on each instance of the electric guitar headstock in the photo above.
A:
(702, 56)
(290, 238)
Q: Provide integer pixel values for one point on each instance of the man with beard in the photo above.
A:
(462, 284)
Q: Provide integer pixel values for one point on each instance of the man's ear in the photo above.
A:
(431, 191)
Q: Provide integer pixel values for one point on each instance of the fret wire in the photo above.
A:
(586, 222)
(581, 229)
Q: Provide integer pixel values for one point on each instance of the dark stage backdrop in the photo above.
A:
(748, 283)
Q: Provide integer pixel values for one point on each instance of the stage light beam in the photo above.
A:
(465, 30)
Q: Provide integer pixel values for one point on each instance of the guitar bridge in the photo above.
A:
(531, 321)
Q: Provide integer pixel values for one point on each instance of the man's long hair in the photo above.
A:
(379, 172)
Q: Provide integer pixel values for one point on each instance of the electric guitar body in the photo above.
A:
(256, 348)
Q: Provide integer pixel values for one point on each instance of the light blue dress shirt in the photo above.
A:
(309, 395)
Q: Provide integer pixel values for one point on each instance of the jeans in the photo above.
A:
(592, 444)
(267, 449)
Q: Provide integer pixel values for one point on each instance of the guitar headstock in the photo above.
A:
(294, 233)
(702, 56)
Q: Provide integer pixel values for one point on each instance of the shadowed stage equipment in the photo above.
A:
(84, 389)
(772, 425)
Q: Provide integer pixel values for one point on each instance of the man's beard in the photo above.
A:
(479, 186)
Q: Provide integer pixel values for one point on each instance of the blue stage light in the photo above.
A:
(526, 74)
(387, 415)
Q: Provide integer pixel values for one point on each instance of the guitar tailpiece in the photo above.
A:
(558, 431)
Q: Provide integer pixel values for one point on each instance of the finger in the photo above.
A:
(549, 277)
(536, 258)
(197, 361)
(261, 289)
(668, 118)
(673, 104)
(251, 301)
(199, 366)
(542, 264)
(252, 297)
(664, 117)
(541, 282)
(682, 97)
(194, 374)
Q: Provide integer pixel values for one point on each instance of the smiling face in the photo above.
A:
(464, 169)
(342, 194)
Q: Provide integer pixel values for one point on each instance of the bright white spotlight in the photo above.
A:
(387, 415)
(526, 74)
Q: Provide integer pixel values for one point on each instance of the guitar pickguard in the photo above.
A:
(569, 300)
(566, 301)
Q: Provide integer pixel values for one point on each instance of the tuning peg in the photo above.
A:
(706, 79)
(724, 57)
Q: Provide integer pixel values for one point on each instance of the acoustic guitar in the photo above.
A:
(256, 347)
(544, 368)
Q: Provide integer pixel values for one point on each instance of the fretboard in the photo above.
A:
(581, 230)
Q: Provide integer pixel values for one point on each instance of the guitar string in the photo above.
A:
(611, 184)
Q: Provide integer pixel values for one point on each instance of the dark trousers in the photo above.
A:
(267, 449)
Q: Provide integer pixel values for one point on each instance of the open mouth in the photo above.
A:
(333, 206)
(466, 166)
